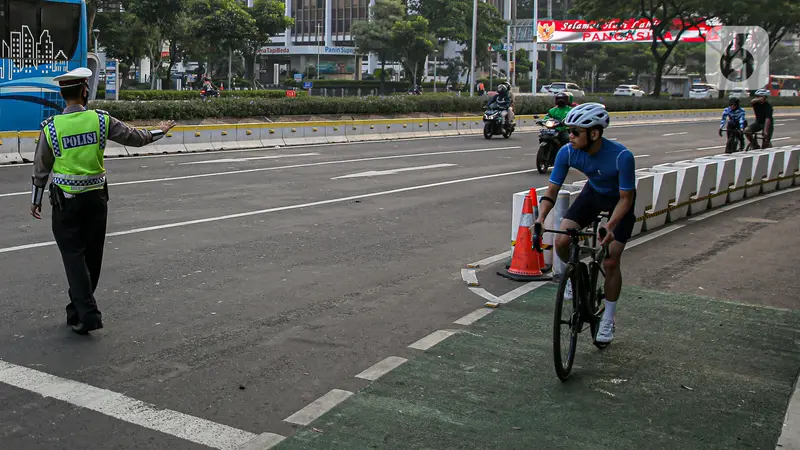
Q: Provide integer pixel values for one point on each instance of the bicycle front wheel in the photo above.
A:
(566, 323)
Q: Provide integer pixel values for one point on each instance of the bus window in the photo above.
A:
(3, 32)
(63, 22)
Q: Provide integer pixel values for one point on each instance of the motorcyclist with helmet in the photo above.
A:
(559, 113)
(504, 100)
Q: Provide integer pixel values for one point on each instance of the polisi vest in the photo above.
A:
(78, 141)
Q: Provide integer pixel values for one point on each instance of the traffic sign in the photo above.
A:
(307, 85)
(291, 93)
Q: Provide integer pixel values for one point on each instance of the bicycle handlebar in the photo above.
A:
(538, 230)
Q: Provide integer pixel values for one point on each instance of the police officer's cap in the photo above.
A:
(74, 77)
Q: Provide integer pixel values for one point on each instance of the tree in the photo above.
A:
(159, 19)
(669, 20)
(452, 19)
(413, 42)
(779, 18)
(123, 36)
(270, 20)
(784, 61)
(372, 36)
(224, 24)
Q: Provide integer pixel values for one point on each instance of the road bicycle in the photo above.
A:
(756, 137)
(586, 305)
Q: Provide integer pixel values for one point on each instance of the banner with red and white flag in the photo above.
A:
(619, 31)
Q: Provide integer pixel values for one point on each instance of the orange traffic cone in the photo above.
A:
(535, 201)
(525, 264)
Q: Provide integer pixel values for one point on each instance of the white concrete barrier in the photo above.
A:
(774, 168)
(791, 166)
(726, 177)
(223, 138)
(685, 188)
(314, 133)
(335, 132)
(198, 138)
(9, 147)
(644, 199)
(271, 136)
(172, 142)
(742, 178)
(706, 185)
(363, 130)
(27, 144)
(758, 175)
(292, 134)
(664, 190)
(248, 135)
(114, 150)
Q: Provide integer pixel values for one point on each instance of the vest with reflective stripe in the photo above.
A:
(78, 141)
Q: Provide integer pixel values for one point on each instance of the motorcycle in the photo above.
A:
(206, 94)
(549, 145)
(495, 123)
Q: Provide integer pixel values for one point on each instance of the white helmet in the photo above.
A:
(588, 115)
(762, 93)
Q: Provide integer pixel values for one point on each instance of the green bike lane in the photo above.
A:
(706, 355)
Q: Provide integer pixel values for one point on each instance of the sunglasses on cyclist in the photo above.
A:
(576, 131)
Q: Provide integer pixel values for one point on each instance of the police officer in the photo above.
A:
(71, 145)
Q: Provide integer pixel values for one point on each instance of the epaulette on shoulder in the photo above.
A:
(102, 111)
(46, 122)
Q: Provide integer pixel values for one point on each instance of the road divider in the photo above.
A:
(670, 192)
(17, 147)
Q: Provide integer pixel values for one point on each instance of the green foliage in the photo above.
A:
(132, 95)
(432, 104)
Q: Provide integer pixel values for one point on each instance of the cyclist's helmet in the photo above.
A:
(501, 87)
(734, 101)
(762, 93)
(562, 99)
(588, 115)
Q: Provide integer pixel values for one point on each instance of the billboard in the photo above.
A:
(617, 31)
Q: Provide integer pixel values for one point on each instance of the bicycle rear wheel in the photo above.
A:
(596, 296)
(566, 323)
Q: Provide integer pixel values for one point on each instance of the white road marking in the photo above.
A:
(655, 234)
(469, 277)
(377, 173)
(613, 139)
(640, 156)
(474, 316)
(784, 120)
(184, 426)
(710, 148)
(790, 432)
(254, 158)
(489, 260)
(522, 290)
(675, 134)
(681, 151)
(318, 407)
(432, 339)
(485, 294)
(779, 124)
(382, 368)
(281, 208)
(781, 138)
(295, 166)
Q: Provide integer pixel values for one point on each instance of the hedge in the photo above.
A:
(134, 95)
(401, 104)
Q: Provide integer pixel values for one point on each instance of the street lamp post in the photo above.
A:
(435, 56)
(96, 34)
(535, 62)
(318, 26)
(474, 43)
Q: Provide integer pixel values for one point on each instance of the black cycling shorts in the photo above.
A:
(590, 203)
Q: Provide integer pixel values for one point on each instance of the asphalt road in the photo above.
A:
(238, 287)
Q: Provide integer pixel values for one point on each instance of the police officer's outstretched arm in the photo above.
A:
(43, 161)
(124, 134)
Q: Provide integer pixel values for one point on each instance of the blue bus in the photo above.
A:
(39, 39)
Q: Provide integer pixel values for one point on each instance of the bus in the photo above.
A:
(40, 39)
(784, 85)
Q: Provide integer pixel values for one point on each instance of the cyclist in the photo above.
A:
(763, 112)
(559, 112)
(736, 115)
(611, 187)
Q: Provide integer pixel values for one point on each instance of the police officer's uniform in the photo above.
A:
(71, 145)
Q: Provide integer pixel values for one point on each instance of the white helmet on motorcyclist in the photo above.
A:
(762, 93)
(588, 115)
(501, 87)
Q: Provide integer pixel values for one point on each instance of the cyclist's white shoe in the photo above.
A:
(568, 290)
(606, 332)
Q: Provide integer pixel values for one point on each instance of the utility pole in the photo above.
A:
(474, 43)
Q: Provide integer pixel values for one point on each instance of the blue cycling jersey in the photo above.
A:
(610, 170)
(737, 116)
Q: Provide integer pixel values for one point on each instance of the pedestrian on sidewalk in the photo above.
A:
(71, 146)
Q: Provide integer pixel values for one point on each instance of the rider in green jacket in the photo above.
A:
(559, 112)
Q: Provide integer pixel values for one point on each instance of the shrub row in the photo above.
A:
(134, 95)
(407, 104)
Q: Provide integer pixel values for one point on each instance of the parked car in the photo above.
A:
(704, 91)
(738, 93)
(562, 86)
(545, 89)
(629, 90)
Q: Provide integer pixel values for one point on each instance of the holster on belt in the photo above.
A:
(57, 197)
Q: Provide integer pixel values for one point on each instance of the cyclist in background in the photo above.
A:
(764, 122)
(736, 116)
